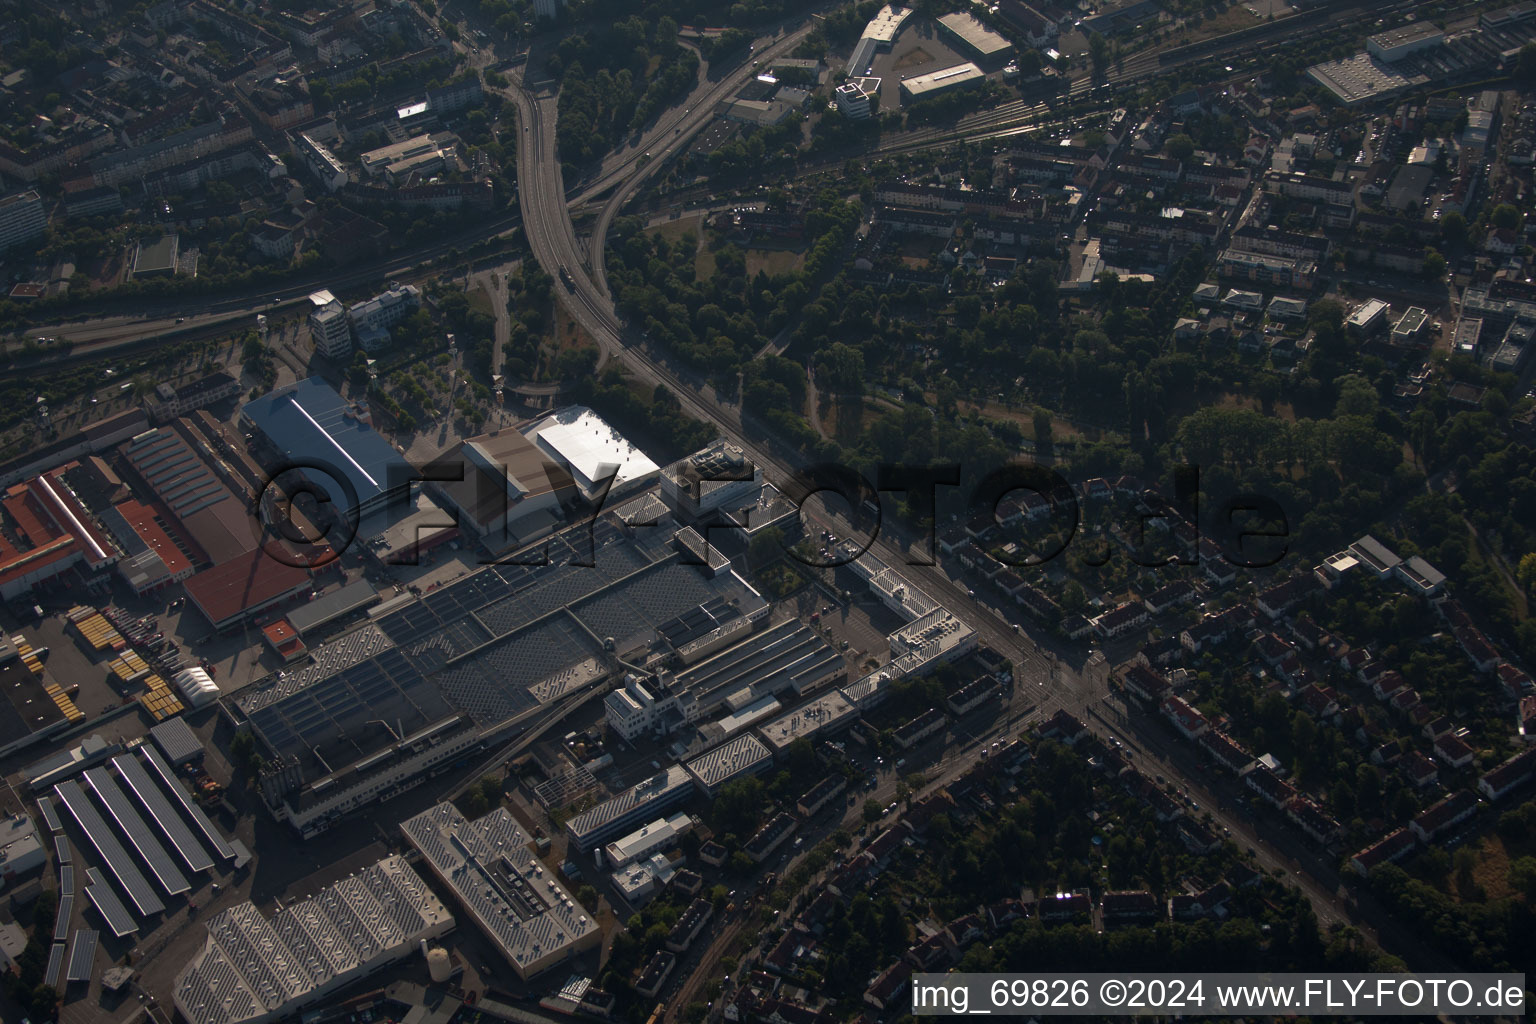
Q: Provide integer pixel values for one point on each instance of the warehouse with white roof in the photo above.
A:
(960, 76)
(583, 444)
(967, 32)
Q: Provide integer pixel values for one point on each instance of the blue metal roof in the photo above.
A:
(316, 429)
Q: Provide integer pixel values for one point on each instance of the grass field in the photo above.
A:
(773, 261)
(676, 230)
(480, 301)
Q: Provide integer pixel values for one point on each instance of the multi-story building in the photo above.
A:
(329, 327)
(172, 402)
(373, 318)
(1275, 271)
(202, 140)
(718, 477)
(322, 163)
(56, 151)
(22, 219)
(853, 101)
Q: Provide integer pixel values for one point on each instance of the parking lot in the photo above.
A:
(918, 50)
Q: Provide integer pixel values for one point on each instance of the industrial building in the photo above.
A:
(735, 759)
(501, 489)
(180, 475)
(236, 591)
(46, 532)
(151, 560)
(717, 478)
(878, 36)
(422, 154)
(968, 33)
(308, 426)
(1395, 44)
(426, 679)
(648, 839)
(21, 849)
(1363, 78)
(931, 635)
(662, 792)
(197, 686)
(314, 615)
(786, 658)
(604, 465)
(638, 883)
(823, 717)
(253, 969)
(489, 866)
(960, 76)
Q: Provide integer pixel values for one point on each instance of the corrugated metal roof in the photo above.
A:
(117, 859)
(177, 741)
(132, 823)
(160, 810)
(82, 955)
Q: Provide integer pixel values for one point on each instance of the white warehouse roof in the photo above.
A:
(587, 447)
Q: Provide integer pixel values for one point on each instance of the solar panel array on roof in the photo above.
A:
(157, 764)
(164, 815)
(55, 966)
(326, 660)
(108, 905)
(336, 722)
(117, 860)
(251, 966)
(67, 879)
(50, 816)
(493, 872)
(61, 849)
(121, 808)
(697, 621)
(82, 955)
(66, 910)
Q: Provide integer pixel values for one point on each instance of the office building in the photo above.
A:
(329, 327)
(22, 218)
(372, 319)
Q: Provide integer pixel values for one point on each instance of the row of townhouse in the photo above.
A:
(994, 202)
(1273, 241)
(1190, 229)
(1302, 810)
(1297, 185)
(914, 221)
